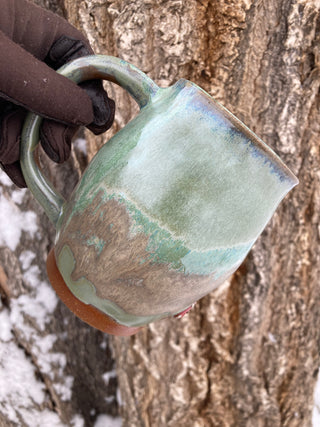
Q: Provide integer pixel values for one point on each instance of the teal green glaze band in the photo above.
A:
(139, 85)
(40, 187)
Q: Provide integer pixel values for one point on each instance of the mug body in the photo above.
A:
(168, 208)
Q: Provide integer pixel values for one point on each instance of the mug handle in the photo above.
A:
(140, 87)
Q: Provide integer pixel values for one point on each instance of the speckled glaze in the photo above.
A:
(168, 208)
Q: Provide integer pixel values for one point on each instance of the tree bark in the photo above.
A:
(248, 353)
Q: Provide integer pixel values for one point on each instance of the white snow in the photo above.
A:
(15, 365)
(50, 362)
(5, 180)
(22, 393)
(64, 390)
(26, 258)
(36, 305)
(272, 338)
(119, 398)
(5, 329)
(31, 274)
(13, 222)
(316, 408)
(103, 344)
(107, 421)
(20, 389)
(107, 375)
(44, 418)
(77, 421)
(81, 145)
(18, 195)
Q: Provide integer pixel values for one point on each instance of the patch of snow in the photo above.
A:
(45, 344)
(31, 275)
(77, 421)
(26, 258)
(17, 397)
(18, 195)
(5, 327)
(14, 365)
(109, 399)
(81, 145)
(43, 418)
(42, 349)
(106, 376)
(103, 344)
(64, 390)
(53, 360)
(35, 305)
(4, 179)
(119, 398)
(38, 306)
(107, 421)
(272, 338)
(13, 222)
(316, 407)
(22, 393)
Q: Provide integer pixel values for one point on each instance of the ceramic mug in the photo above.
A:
(165, 211)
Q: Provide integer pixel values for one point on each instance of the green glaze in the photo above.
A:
(162, 247)
(47, 196)
(193, 181)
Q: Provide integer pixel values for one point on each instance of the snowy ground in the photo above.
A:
(316, 408)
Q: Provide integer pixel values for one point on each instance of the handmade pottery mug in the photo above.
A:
(165, 211)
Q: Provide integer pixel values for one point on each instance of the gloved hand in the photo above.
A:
(34, 42)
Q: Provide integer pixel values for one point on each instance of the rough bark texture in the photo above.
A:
(248, 354)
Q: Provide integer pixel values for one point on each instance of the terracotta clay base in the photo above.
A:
(85, 312)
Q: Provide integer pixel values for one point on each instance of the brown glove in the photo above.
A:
(34, 42)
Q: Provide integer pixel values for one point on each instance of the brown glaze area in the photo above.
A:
(85, 312)
(121, 271)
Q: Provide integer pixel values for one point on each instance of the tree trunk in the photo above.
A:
(248, 353)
